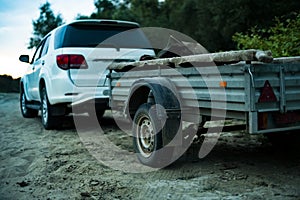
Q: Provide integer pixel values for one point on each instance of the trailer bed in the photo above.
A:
(236, 90)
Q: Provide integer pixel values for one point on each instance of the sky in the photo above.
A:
(16, 28)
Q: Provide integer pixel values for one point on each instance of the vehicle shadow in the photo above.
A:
(247, 150)
(89, 123)
(232, 150)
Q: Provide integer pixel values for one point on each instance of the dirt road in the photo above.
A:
(40, 164)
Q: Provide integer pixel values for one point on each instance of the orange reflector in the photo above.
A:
(223, 84)
(118, 84)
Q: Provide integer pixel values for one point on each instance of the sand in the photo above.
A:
(57, 164)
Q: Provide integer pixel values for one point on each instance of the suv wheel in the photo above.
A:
(26, 112)
(48, 120)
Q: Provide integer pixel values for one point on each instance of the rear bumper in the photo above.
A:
(88, 95)
(78, 95)
(62, 91)
(90, 105)
(98, 102)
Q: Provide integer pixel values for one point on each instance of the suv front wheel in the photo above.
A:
(49, 121)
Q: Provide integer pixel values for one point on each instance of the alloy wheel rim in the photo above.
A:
(23, 102)
(45, 110)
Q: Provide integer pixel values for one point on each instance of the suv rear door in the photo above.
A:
(102, 44)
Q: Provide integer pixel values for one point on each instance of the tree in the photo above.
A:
(210, 22)
(145, 12)
(46, 22)
(105, 9)
(124, 12)
(283, 38)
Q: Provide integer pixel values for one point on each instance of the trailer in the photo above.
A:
(160, 95)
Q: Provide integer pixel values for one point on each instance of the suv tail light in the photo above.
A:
(71, 61)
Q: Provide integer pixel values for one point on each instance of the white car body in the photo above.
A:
(81, 84)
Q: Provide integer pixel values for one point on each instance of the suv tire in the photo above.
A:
(49, 121)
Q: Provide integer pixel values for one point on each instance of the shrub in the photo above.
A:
(283, 38)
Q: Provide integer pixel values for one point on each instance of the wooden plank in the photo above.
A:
(286, 60)
(222, 57)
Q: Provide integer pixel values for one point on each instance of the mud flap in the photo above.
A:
(172, 133)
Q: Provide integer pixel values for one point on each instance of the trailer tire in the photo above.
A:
(147, 138)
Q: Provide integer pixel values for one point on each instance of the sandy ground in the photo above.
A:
(40, 164)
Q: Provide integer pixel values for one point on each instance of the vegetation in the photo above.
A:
(8, 84)
(210, 22)
(283, 38)
(44, 24)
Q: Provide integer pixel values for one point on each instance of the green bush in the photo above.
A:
(283, 38)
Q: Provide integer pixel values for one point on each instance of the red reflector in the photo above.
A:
(287, 118)
(66, 61)
(262, 121)
(267, 93)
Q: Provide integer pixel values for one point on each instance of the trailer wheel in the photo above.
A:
(147, 138)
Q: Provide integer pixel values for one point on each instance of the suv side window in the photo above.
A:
(46, 46)
(59, 37)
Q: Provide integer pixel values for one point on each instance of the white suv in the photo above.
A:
(69, 67)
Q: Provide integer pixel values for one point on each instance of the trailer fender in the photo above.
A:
(163, 93)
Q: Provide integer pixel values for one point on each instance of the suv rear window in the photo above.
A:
(90, 35)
